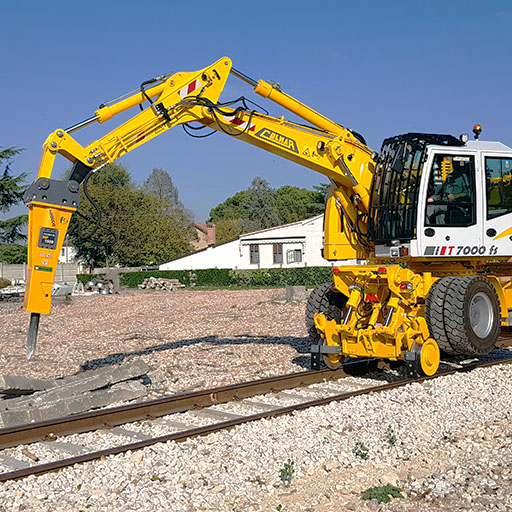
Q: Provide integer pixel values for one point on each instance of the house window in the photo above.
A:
(278, 253)
(294, 256)
(254, 253)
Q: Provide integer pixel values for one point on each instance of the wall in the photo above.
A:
(65, 272)
(306, 236)
(223, 256)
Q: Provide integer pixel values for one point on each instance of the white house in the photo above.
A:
(298, 244)
(67, 253)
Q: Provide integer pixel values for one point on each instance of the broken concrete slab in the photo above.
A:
(74, 385)
(13, 385)
(110, 374)
(73, 405)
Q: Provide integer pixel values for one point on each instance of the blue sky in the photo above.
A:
(381, 68)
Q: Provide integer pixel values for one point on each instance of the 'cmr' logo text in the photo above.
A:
(278, 139)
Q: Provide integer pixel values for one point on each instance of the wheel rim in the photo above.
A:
(429, 357)
(481, 314)
(332, 361)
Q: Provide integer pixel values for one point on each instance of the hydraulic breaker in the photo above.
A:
(51, 204)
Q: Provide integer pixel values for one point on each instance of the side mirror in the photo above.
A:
(401, 157)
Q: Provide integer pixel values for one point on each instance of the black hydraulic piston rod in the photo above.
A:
(243, 77)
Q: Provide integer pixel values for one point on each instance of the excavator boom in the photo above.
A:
(180, 99)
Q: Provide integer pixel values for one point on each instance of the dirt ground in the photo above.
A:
(189, 338)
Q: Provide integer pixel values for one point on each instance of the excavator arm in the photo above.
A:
(180, 99)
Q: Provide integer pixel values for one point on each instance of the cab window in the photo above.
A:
(498, 174)
(451, 191)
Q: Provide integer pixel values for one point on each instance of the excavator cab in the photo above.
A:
(431, 194)
(396, 189)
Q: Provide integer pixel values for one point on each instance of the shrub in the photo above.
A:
(212, 277)
(227, 278)
(382, 494)
(360, 451)
(287, 472)
(85, 278)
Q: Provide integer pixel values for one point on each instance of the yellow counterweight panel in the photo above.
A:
(339, 242)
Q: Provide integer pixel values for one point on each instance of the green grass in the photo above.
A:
(382, 494)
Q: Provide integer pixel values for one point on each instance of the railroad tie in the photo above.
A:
(259, 405)
(292, 396)
(119, 431)
(215, 414)
(13, 463)
(174, 425)
(73, 449)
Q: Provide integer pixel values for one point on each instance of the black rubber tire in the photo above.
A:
(323, 300)
(434, 311)
(456, 315)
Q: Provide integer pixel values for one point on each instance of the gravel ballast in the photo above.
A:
(451, 450)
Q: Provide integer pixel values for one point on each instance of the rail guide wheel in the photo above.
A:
(428, 357)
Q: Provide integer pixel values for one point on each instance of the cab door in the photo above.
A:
(498, 203)
(450, 215)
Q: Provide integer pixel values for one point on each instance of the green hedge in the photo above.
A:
(212, 277)
(226, 278)
(306, 276)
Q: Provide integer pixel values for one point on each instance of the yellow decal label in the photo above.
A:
(278, 139)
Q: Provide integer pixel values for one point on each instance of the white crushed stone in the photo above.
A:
(453, 451)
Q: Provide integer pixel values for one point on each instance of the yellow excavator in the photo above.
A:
(428, 218)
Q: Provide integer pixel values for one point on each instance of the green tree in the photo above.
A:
(169, 207)
(136, 227)
(227, 230)
(232, 208)
(13, 253)
(160, 185)
(322, 192)
(294, 204)
(11, 193)
(260, 204)
(257, 207)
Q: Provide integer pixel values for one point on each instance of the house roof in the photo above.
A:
(245, 235)
(296, 223)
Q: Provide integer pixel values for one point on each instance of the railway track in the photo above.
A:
(42, 447)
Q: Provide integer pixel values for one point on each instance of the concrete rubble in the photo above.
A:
(297, 294)
(69, 395)
(154, 283)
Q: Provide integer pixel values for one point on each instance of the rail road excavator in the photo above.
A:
(428, 218)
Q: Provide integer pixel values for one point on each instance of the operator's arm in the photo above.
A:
(180, 99)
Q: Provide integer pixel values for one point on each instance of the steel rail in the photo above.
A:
(180, 436)
(114, 416)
